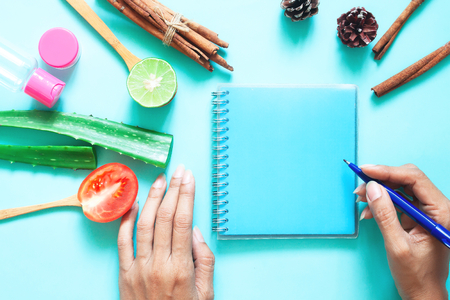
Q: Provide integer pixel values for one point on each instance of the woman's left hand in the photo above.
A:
(172, 261)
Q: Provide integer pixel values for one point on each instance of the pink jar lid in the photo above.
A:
(59, 48)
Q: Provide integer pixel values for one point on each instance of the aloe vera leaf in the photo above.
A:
(72, 157)
(149, 146)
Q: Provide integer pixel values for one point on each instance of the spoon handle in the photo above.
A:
(89, 15)
(12, 212)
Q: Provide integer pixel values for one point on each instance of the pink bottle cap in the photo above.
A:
(59, 48)
(44, 87)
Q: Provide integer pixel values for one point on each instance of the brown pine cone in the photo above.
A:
(299, 10)
(357, 27)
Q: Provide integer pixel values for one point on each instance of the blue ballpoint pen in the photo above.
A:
(436, 230)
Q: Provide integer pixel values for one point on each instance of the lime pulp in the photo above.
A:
(152, 82)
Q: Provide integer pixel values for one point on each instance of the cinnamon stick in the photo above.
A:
(136, 18)
(205, 45)
(412, 71)
(140, 8)
(153, 17)
(386, 40)
(221, 61)
(205, 32)
(154, 20)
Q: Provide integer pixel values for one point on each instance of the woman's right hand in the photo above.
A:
(419, 263)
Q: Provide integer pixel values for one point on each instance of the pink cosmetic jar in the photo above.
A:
(59, 48)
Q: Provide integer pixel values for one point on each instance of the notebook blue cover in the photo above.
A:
(279, 164)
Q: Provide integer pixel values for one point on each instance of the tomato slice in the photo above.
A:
(108, 192)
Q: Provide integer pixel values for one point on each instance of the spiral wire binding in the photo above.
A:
(220, 139)
(220, 202)
(220, 156)
(221, 147)
(221, 129)
(219, 175)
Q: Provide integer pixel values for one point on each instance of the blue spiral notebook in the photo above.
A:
(278, 169)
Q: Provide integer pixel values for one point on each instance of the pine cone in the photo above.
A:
(357, 28)
(299, 10)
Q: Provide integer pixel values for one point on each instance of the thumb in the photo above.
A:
(204, 266)
(383, 211)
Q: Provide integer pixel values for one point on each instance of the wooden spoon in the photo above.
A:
(104, 195)
(13, 212)
(130, 59)
(89, 15)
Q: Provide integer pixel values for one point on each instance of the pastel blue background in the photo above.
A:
(281, 138)
(59, 254)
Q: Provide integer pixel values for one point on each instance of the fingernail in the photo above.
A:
(363, 214)
(179, 172)
(187, 177)
(358, 199)
(366, 166)
(359, 188)
(159, 182)
(373, 191)
(198, 235)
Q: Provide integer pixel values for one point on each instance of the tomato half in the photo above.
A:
(108, 192)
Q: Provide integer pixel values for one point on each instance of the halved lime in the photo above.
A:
(152, 82)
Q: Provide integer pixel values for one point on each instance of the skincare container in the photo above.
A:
(19, 72)
(59, 48)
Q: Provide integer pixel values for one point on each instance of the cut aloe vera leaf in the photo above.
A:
(149, 146)
(71, 157)
(152, 82)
